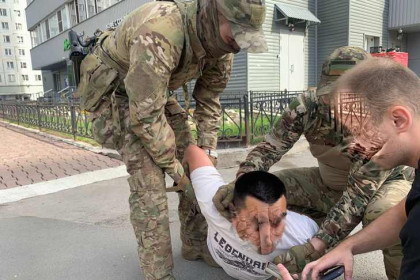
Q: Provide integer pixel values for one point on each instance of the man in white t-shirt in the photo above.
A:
(254, 193)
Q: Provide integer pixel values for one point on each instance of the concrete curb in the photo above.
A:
(53, 186)
(233, 157)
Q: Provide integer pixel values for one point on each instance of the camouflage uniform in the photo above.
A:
(345, 189)
(126, 84)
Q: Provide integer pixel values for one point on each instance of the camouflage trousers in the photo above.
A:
(307, 194)
(148, 202)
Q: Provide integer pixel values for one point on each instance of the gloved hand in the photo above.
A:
(181, 185)
(223, 198)
(297, 257)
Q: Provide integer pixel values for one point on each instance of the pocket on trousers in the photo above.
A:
(103, 129)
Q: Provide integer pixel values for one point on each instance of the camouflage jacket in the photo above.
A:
(310, 116)
(158, 52)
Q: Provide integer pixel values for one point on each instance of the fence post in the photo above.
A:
(73, 120)
(17, 114)
(251, 106)
(246, 108)
(38, 113)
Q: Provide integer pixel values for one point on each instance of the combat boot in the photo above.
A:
(193, 253)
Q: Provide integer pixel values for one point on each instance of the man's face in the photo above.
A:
(261, 224)
(400, 139)
(386, 140)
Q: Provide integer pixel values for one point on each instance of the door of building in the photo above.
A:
(57, 81)
(370, 42)
(292, 67)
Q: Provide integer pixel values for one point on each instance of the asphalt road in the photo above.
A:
(85, 234)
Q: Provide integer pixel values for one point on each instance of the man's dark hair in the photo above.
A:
(261, 185)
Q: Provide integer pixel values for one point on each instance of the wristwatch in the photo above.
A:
(211, 152)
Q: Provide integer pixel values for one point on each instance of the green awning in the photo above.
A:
(286, 12)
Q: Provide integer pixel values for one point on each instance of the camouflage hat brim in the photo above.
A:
(326, 85)
(250, 39)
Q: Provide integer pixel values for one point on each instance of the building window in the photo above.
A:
(38, 78)
(12, 78)
(6, 38)
(5, 25)
(23, 65)
(81, 5)
(65, 18)
(17, 13)
(73, 14)
(3, 1)
(34, 38)
(21, 52)
(53, 26)
(10, 65)
(25, 78)
(60, 21)
(8, 51)
(47, 28)
(90, 8)
(18, 26)
(104, 4)
(43, 32)
(62, 17)
(0, 79)
(3, 12)
(20, 39)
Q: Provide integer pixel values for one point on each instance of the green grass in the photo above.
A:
(233, 129)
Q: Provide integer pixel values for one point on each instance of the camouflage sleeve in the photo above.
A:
(283, 136)
(206, 93)
(154, 53)
(363, 182)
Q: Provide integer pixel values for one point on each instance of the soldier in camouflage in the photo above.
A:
(345, 189)
(126, 83)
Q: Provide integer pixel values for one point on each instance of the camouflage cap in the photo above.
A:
(341, 60)
(246, 18)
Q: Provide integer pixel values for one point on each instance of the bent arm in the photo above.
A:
(283, 136)
(153, 56)
(206, 93)
(195, 157)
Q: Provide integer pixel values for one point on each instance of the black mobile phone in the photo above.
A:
(330, 274)
(333, 273)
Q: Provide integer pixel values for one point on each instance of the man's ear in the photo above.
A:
(402, 118)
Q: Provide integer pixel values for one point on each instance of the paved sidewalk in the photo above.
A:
(84, 233)
(28, 158)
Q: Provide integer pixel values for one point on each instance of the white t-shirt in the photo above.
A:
(234, 255)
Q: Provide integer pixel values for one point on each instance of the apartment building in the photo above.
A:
(17, 79)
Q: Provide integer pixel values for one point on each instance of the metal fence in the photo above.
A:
(246, 116)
